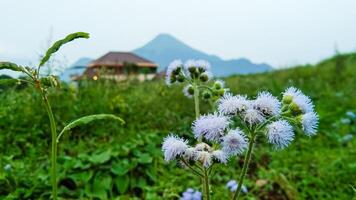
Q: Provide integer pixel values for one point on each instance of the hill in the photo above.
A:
(318, 167)
(164, 48)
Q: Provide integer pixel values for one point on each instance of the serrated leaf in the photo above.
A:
(88, 119)
(122, 183)
(10, 66)
(55, 47)
(101, 157)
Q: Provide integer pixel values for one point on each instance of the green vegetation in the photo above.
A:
(106, 161)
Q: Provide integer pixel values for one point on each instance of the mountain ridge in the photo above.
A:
(164, 48)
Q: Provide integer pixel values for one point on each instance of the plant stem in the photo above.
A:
(245, 166)
(206, 182)
(196, 100)
(54, 144)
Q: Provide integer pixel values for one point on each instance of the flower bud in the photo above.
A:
(295, 108)
(201, 70)
(176, 71)
(204, 77)
(217, 85)
(192, 70)
(180, 78)
(221, 92)
(206, 95)
(173, 79)
(191, 90)
(287, 99)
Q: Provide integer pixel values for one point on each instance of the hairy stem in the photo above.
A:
(206, 182)
(196, 102)
(54, 144)
(245, 166)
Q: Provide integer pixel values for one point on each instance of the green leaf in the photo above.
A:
(144, 158)
(82, 178)
(11, 66)
(122, 183)
(101, 185)
(88, 119)
(55, 47)
(9, 81)
(122, 167)
(101, 157)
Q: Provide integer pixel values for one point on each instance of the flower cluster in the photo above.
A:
(265, 114)
(212, 128)
(191, 194)
(196, 74)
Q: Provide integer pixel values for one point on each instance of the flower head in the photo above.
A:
(229, 104)
(234, 142)
(191, 194)
(190, 153)
(299, 103)
(267, 104)
(210, 126)
(205, 158)
(280, 134)
(173, 146)
(304, 103)
(232, 186)
(203, 147)
(253, 116)
(220, 156)
(173, 70)
(310, 123)
(201, 65)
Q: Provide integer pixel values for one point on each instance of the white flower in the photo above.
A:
(202, 64)
(253, 116)
(304, 103)
(190, 153)
(267, 104)
(234, 142)
(173, 66)
(310, 123)
(210, 126)
(205, 158)
(229, 104)
(292, 92)
(202, 147)
(220, 155)
(296, 97)
(173, 146)
(187, 91)
(280, 134)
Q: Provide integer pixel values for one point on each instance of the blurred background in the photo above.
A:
(252, 46)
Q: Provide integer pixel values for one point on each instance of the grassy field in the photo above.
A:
(109, 161)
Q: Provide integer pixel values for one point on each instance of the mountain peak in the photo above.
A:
(164, 48)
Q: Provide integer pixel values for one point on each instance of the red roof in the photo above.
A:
(117, 59)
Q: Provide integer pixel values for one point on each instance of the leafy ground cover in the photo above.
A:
(108, 161)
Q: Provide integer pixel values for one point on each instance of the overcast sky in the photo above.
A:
(278, 32)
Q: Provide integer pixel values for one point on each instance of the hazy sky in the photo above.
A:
(278, 32)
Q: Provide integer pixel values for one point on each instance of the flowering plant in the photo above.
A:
(43, 84)
(235, 123)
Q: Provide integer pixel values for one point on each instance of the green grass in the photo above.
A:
(105, 160)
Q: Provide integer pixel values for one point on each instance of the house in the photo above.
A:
(121, 66)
